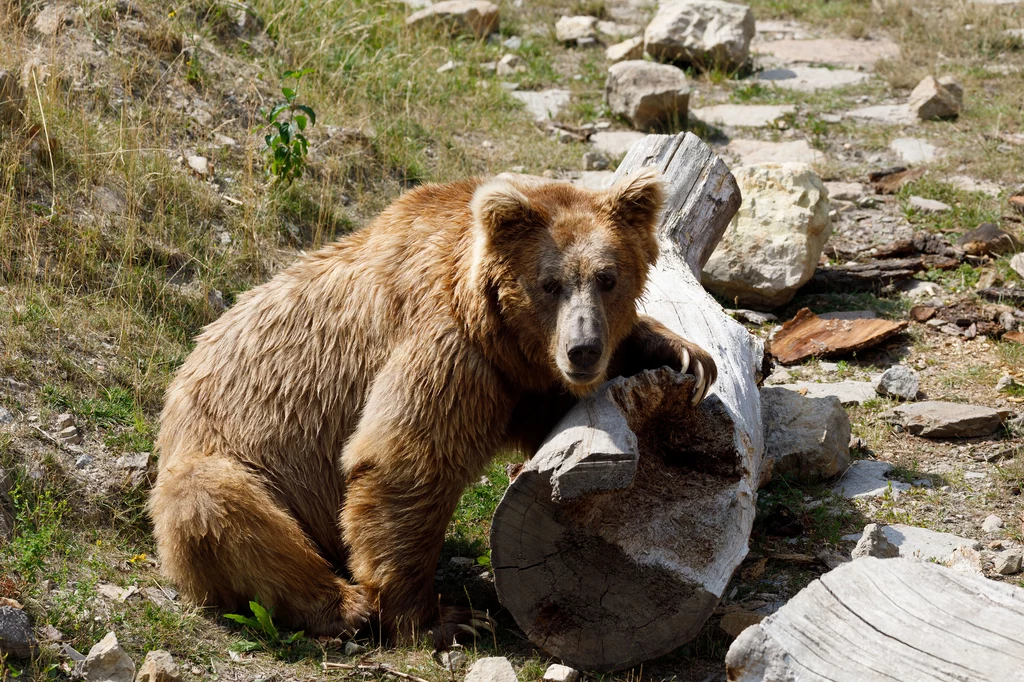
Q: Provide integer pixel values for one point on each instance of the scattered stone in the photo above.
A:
(974, 476)
(845, 191)
(887, 114)
(831, 51)
(925, 544)
(899, 381)
(611, 31)
(806, 437)
(595, 180)
(64, 420)
(513, 43)
(1006, 383)
(874, 543)
(1008, 562)
(83, 461)
(52, 634)
(447, 66)
(201, 166)
(892, 180)
(353, 648)
(702, 32)
(544, 105)
(1017, 264)
(453, 659)
(70, 435)
(6, 417)
(572, 29)
(509, 65)
(969, 184)
(16, 638)
(865, 479)
(808, 335)
(1016, 202)
(744, 115)
(491, 669)
(753, 152)
(51, 19)
(811, 79)
(936, 419)
(107, 662)
(928, 205)
(595, 161)
(992, 524)
(914, 150)
(987, 240)
(918, 290)
(751, 316)
(650, 95)
(735, 622)
(615, 143)
(932, 100)
(158, 666)
(561, 673)
(473, 17)
(633, 48)
(847, 392)
(772, 246)
(966, 560)
(461, 562)
(12, 99)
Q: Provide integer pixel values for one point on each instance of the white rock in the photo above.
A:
(810, 78)
(1017, 264)
(615, 143)
(572, 29)
(928, 205)
(925, 544)
(899, 381)
(595, 180)
(474, 17)
(632, 48)
(650, 95)
(51, 19)
(561, 673)
(107, 662)
(510, 64)
(492, 669)
(752, 317)
(762, 151)
(992, 523)
(969, 184)
(874, 543)
(808, 438)
(1008, 562)
(914, 150)
(772, 246)
(513, 43)
(612, 31)
(744, 115)
(453, 660)
(966, 560)
(6, 417)
(889, 114)
(353, 648)
(704, 32)
(595, 161)
(544, 105)
(199, 164)
(158, 666)
(866, 478)
(832, 51)
(847, 392)
(845, 191)
(932, 100)
(918, 289)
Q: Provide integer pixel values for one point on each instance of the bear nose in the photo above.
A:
(585, 355)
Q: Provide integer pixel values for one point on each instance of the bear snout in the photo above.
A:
(584, 355)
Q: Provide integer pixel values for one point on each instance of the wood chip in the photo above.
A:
(1016, 337)
(890, 183)
(808, 335)
(922, 313)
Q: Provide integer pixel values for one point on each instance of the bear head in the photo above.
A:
(564, 267)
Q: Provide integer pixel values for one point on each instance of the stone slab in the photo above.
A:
(615, 143)
(865, 479)
(848, 392)
(810, 78)
(743, 115)
(914, 150)
(832, 51)
(761, 151)
(888, 114)
(543, 105)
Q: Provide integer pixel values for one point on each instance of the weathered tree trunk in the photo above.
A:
(888, 619)
(615, 542)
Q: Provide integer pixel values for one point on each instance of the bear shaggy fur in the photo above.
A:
(314, 445)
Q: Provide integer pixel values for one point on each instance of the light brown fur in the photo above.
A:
(327, 424)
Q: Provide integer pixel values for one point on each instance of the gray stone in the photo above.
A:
(572, 29)
(595, 161)
(70, 435)
(12, 98)
(650, 95)
(703, 32)
(462, 562)
(6, 417)
(899, 381)
(743, 115)
(473, 17)
(561, 673)
(107, 662)
(966, 560)
(918, 289)
(874, 543)
(936, 419)
(932, 99)
(847, 392)
(772, 246)
(1017, 264)
(810, 78)
(134, 460)
(762, 151)
(158, 666)
(914, 150)
(353, 648)
(633, 48)
(992, 524)
(928, 205)
(845, 191)
(513, 43)
(16, 638)
(1008, 562)
(492, 669)
(510, 64)
(925, 544)
(615, 143)
(969, 184)
(888, 114)
(83, 461)
(807, 437)
(1005, 383)
(865, 479)
(64, 420)
(453, 660)
(544, 105)
(831, 51)
(201, 165)
(611, 31)
(595, 180)
(752, 316)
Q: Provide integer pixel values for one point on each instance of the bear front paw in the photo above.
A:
(459, 620)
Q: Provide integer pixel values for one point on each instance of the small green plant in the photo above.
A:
(287, 147)
(262, 627)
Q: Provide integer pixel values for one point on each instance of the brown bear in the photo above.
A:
(314, 445)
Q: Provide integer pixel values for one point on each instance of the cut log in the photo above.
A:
(888, 619)
(615, 542)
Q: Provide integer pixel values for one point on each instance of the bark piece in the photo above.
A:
(935, 624)
(892, 180)
(808, 335)
(617, 539)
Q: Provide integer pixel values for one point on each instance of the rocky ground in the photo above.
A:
(136, 208)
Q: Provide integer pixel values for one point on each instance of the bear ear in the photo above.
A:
(636, 199)
(502, 213)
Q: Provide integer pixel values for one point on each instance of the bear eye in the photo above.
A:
(606, 281)
(552, 287)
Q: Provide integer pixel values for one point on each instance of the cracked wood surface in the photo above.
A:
(615, 542)
(888, 619)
